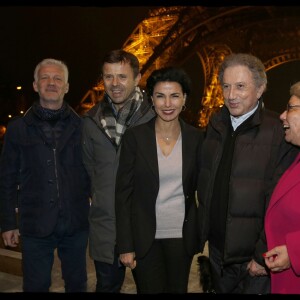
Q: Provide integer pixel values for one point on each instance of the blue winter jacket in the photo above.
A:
(52, 179)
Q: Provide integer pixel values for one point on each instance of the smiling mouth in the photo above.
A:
(118, 92)
(169, 111)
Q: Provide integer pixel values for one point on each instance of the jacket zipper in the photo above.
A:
(56, 176)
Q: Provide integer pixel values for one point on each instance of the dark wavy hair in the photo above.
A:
(173, 74)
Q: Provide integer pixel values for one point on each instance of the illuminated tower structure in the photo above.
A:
(171, 35)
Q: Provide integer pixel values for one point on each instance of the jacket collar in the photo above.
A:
(31, 119)
(222, 118)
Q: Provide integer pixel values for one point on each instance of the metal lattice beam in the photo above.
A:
(171, 35)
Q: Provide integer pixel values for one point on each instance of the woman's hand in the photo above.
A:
(277, 259)
(128, 260)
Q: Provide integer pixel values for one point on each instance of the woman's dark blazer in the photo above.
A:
(137, 187)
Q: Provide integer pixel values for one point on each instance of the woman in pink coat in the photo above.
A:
(282, 221)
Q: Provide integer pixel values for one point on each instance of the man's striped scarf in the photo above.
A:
(116, 124)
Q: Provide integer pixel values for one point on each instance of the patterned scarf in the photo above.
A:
(48, 114)
(115, 124)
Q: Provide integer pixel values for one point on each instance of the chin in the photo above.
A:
(235, 112)
(291, 142)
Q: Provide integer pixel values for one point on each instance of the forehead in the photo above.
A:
(294, 99)
(167, 86)
(117, 68)
(238, 73)
(51, 69)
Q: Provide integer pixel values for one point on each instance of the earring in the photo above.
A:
(183, 108)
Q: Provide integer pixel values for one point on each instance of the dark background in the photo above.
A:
(80, 36)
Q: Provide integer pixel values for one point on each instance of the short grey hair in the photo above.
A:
(295, 89)
(253, 63)
(51, 61)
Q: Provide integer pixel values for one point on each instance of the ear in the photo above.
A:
(34, 84)
(260, 91)
(67, 88)
(137, 79)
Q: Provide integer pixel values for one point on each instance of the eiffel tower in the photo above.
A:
(172, 35)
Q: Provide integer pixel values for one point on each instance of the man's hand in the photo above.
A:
(11, 238)
(256, 269)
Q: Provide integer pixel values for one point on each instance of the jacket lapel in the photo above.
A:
(187, 144)
(149, 147)
(289, 179)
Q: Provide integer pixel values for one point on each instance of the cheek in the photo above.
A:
(106, 84)
(157, 102)
(249, 96)
(225, 94)
(180, 102)
(296, 127)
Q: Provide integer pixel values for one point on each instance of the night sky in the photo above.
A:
(80, 36)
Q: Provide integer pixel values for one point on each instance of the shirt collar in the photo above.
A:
(237, 121)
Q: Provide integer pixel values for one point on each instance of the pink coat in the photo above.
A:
(282, 227)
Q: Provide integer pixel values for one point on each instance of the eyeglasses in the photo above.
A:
(290, 107)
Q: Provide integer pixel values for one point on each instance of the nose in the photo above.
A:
(167, 101)
(282, 117)
(231, 92)
(115, 80)
(51, 81)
